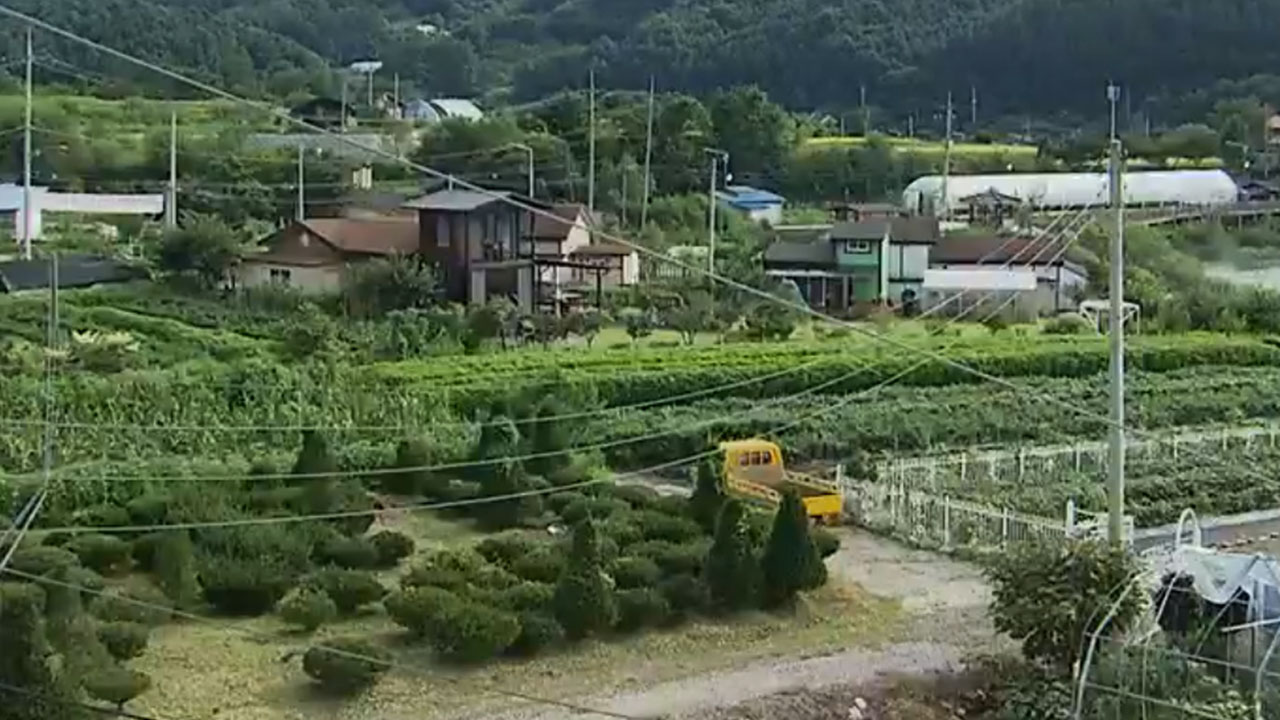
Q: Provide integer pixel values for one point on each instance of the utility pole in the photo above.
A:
(973, 107)
(862, 104)
(648, 160)
(716, 156)
(27, 215)
(395, 94)
(528, 165)
(911, 126)
(946, 163)
(171, 207)
(1115, 484)
(591, 170)
(626, 166)
(301, 212)
(1113, 97)
(342, 120)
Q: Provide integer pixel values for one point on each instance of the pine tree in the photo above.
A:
(549, 435)
(791, 562)
(411, 455)
(584, 602)
(707, 497)
(26, 663)
(175, 568)
(317, 473)
(732, 571)
(499, 441)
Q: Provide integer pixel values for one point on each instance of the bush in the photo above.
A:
(671, 505)
(827, 542)
(621, 529)
(537, 633)
(175, 568)
(576, 512)
(561, 500)
(42, 560)
(655, 525)
(584, 602)
(686, 595)
(410, 478)
(639, 497)
(352, 553)
(526, 597)
(124, 640)
(137, 602)
(475, 632)
(671, 558)
(458, 571)
(104, 554)
(392, 547)
(704, 504)
(148, 510)
(240, 586)
(732, 570)
(308, 608)
(542, 565)
(507, 548)
(349, 589)
(790, 562)
(102, 516)
(636, 572)
(421, 610)
(1069, 324)
(116, 685)
(89, 582)
(143, 550)
(346, 665)
(641, 607)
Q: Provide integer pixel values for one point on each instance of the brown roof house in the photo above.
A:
(573, 260)
(313, 255)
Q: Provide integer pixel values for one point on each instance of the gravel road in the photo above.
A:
(945, 598)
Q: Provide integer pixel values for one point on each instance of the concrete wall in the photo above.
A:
(309, 279)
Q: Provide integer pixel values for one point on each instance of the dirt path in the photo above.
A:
(946, 603)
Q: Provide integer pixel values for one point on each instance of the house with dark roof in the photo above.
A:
(573, 260)
(975, 262)
(313, 255)
(882, 259)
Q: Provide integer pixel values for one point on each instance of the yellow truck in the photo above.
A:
(753, 471)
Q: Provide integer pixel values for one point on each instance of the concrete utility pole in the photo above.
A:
(301, 212)
(529, 165)
(716, 156)
(395, 95)
(27, 214)
(342, 119)
(911, 126)
(973, 107)
(1115, 484)
(866, 115)
(648, 159)
(1113, 97)
(942, 212)
(591, 151)
(171, 204)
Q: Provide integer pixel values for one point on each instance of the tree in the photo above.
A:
(639, 323)
(692, 316)
(593, 321)
(791, 562)
(308, 608)
(203, 246)
(346, 665)
(708, 496)
(757, 134)
(382, 285)
(175, 568)
(26, 662)
(1051, 596)
(317, 472)
(410, 477)
(499, 475)
(731, 569)
(492, 320)
(584, 602)
(550, 437)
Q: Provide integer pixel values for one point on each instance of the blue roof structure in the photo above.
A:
(745, 197)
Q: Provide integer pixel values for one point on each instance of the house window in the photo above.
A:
(857, 247)
(442, 231)
(280, 275)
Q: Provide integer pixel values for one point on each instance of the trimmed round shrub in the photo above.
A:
(137, 602)
(576, 512)
(346, 665)
(641, 607)
(392, 547)
(148, 510)
(240, 586)
(673, 559)
(621, 529)
(308, 608)
(104, 554)
(349, 589)
(102, 516)
(143, 550)
(526, 597)
(352, 553)
(421, 610)
(557, 502)
(124, 640)
(42, 560)
(57, 538)
(461, 490)
(89, 582)
(537, 633)
(116, 685)
(543, 565)
(672, 505)
(827, 542)
(506, 548)
(605, 507)
(473, 633)
(686, 594)
(639, 497)
(636, 572)
(459, 571)
(656, 525)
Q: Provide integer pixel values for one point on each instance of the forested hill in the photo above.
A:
(1023, 55)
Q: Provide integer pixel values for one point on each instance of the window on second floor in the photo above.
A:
(857, 247)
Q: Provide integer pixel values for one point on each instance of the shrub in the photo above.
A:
(475, 632)
(392, 547)
(89, 582)
(175, 568)
(346, 665)
(671, 558)
(704, 504)
(421, 610)
(116, 685)
(640, 497)
(349, 589)
(1069, 324)
(576, 512)
(137, 602)
(104, 554)
(671, 505)
(601, 508)
(459, 571)
(636, 572)
(790, 562)
(42, 560)
(56, 538)
(557, 502)
(308, 608)
(731, 568)
(641, 607)
(542, 565)
(827, 542)
(584, 602)
(507, 548)
(655, 525)
(352, 553)
(143, 550)
(526, 597)
(149, 509)
(241, 586)
(537, 633)
(102, 516)
(621, 529)
(686, 595)
(410, 478)
(124, 640)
